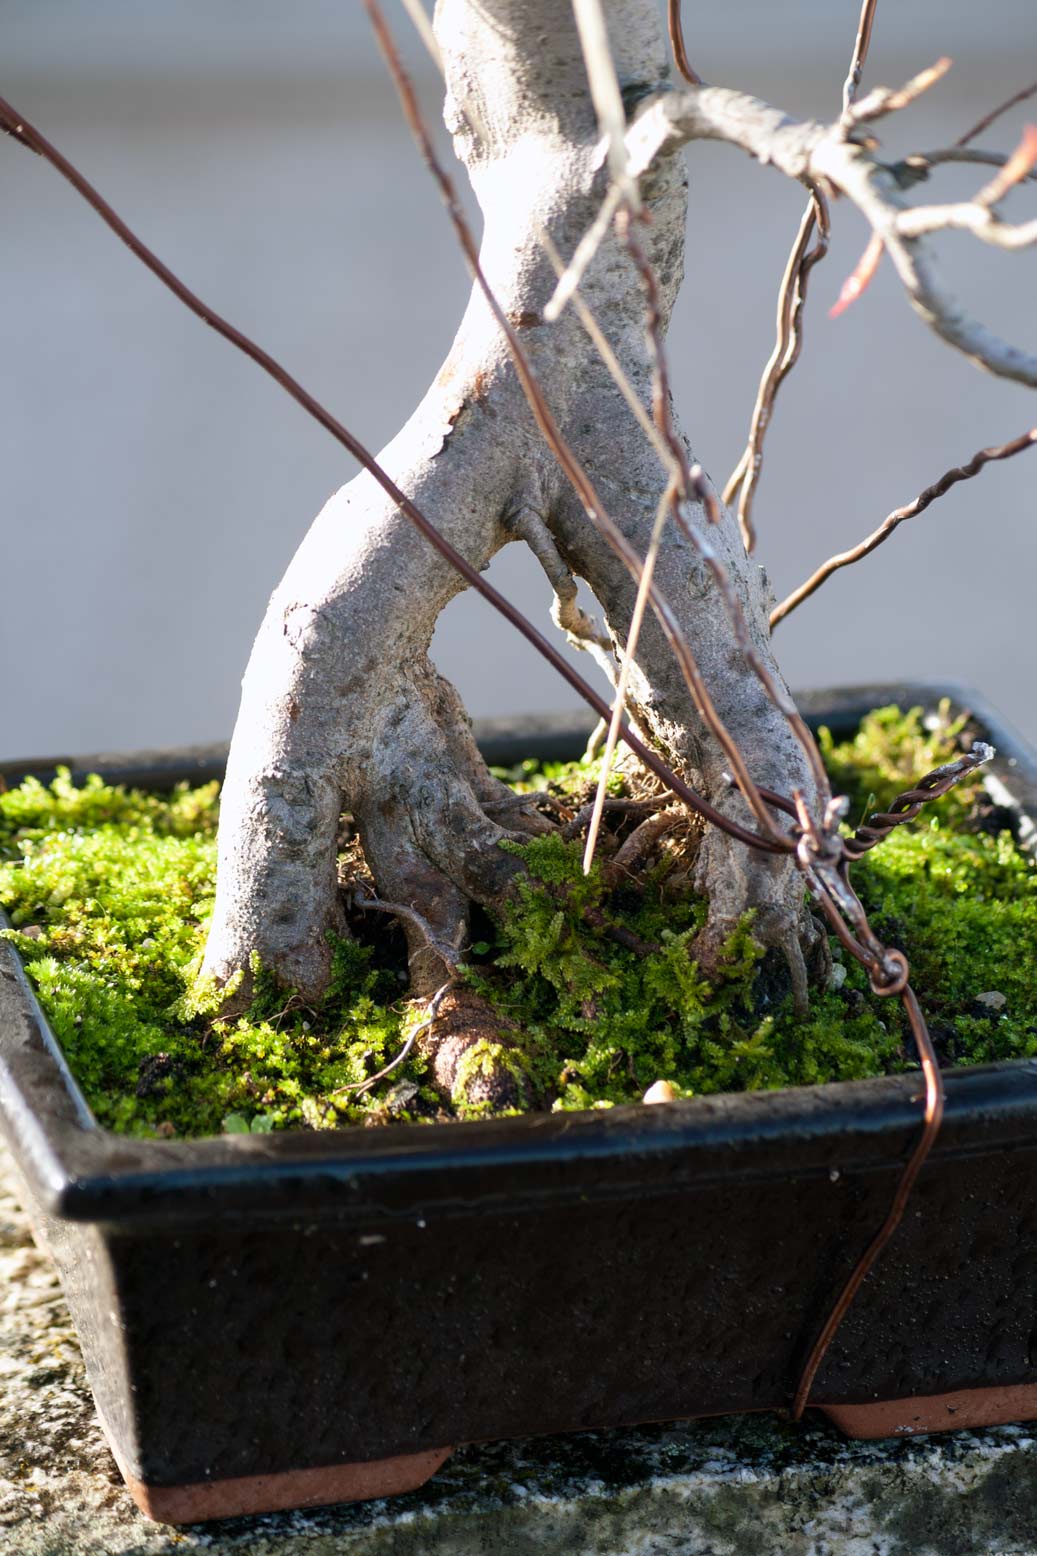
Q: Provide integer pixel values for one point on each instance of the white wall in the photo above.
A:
(153, 483)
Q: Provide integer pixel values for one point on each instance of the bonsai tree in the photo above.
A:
(551, 423)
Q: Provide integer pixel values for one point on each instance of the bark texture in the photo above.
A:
(341, 707)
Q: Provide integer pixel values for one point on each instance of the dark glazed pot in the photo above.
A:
(279, 1320)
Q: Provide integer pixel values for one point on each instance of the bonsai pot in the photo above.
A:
(282, 1320)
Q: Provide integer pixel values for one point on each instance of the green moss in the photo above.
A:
(606, 1020)
(488, 1059)
(116, 888)
(110, 891)
(889, 751)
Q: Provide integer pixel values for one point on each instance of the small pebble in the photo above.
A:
(32, 931)
(837, 976)
(993, 999)
(661, 1091)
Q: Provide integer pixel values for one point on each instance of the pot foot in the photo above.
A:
(936, 1412)
(247, 1494)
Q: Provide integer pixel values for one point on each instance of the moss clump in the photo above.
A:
(110, 891)
(604, 1020)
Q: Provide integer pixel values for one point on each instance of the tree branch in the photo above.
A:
(995, 113)
(718, 113)
(840, 159)
(792, 296)
(985, 456)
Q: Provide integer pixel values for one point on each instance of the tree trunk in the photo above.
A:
(341, 708)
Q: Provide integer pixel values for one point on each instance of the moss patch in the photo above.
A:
(110, 891)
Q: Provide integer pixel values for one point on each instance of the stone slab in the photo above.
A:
(728, 1487)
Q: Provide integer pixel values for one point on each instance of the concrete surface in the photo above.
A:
(726, 1487)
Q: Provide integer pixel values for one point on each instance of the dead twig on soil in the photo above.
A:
(616, 804)
(431, 1013)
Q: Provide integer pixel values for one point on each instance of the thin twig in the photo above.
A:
(915, 167)
(860, 277)
(966, 217)
(886, 100)
(861, 45)
(626, 663)
(432, 1011)
(835, 156)
(974, 215)
(985, 456)
(1018, 166)
(792, 295)
(784, 355)
(874, 191)
(995, 113)
(680, 53)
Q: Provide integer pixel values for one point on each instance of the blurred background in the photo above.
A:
(153, 484)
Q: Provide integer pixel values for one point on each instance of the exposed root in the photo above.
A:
(475, 1055)
(614, 804)
(796, 954)
(446, 950)
(646, 839)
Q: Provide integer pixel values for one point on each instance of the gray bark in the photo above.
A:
(341, 708)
